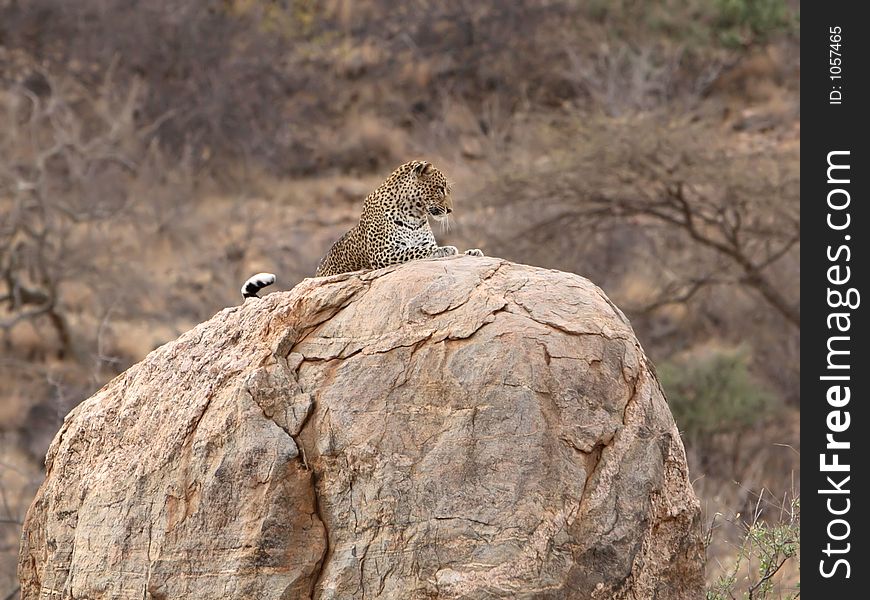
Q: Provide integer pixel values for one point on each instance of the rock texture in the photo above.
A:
(458, 428)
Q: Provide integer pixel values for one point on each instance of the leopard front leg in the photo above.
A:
(401, 253)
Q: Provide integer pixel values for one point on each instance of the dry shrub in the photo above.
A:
(258, 82)
(214, 84)
(623, 79)
(73, 159)
(93, 216)
(363, 144)
(709, 221)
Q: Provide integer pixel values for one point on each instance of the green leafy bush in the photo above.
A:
(763, 556)
(743, 21)
(713, 390)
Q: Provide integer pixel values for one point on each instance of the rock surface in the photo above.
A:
(457, 428)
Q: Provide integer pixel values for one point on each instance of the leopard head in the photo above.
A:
(423, 190)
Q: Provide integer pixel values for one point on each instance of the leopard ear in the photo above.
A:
(422, 168)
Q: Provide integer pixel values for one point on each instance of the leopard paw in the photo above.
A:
(473, 252)
(443, 251)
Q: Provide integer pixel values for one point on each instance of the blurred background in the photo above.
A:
(154, 155)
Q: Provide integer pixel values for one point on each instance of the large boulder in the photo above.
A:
(457, 428)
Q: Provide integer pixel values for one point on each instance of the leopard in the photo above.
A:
(393, 227)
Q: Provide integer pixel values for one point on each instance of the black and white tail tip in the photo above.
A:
(256, 283)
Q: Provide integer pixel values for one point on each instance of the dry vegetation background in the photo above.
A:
(151, 158)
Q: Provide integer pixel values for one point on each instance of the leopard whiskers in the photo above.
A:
(445, 223)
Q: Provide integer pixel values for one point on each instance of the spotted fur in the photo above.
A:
(394, 225)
